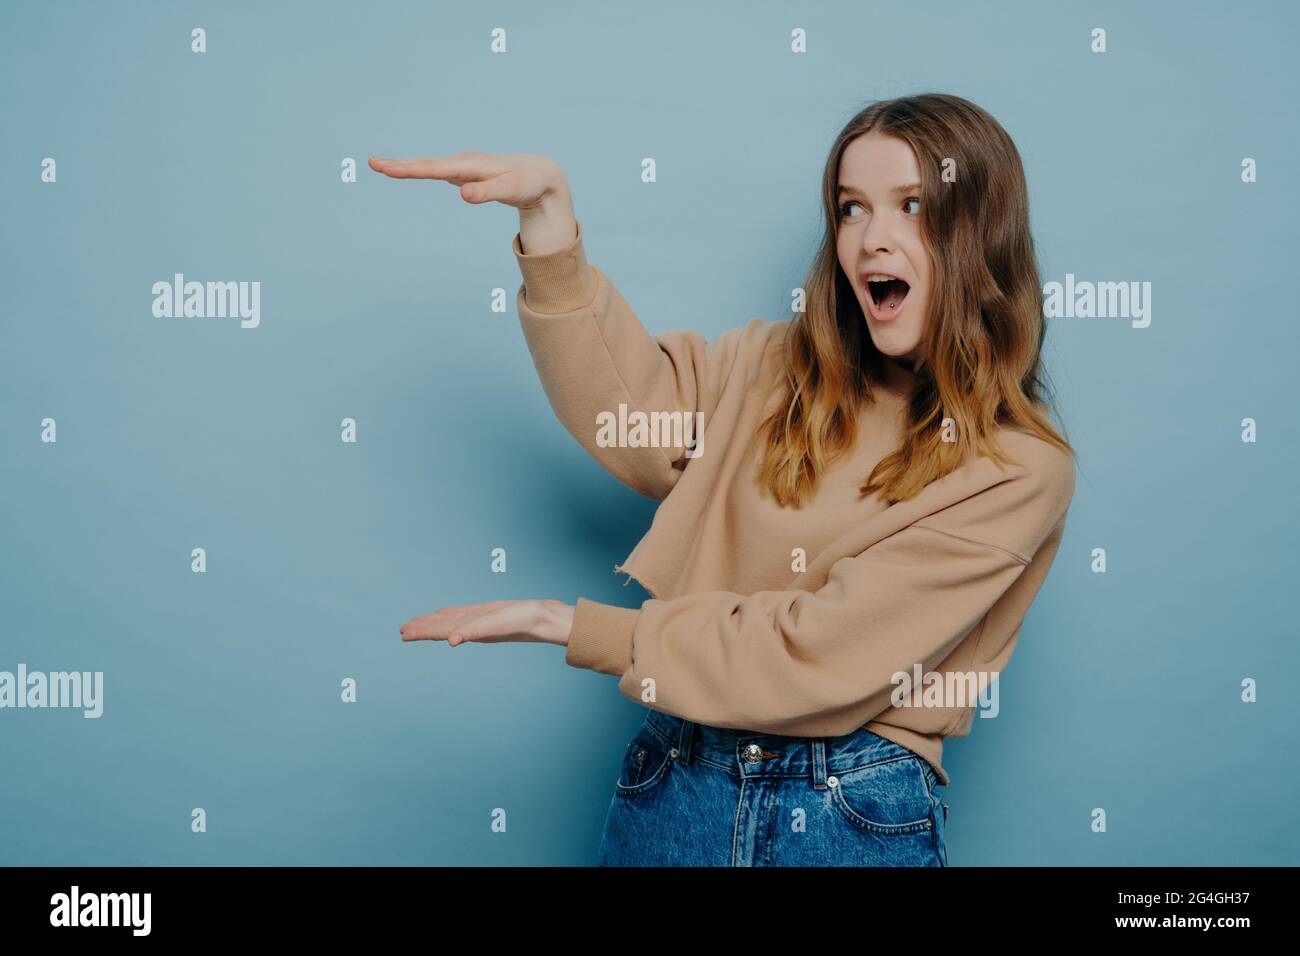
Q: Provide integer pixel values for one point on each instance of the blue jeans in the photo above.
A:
(693, 795)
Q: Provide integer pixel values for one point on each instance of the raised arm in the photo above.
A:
(592, 354)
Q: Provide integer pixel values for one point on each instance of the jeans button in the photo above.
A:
(752, 753)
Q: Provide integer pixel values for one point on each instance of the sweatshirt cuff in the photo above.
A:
(601, 637)
(559, 281)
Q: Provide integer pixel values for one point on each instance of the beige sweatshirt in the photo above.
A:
(738, 633)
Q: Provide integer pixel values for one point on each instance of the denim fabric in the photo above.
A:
(692, 795)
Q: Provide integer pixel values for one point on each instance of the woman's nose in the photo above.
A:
(877, 237)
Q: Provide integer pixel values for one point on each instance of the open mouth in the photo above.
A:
(887, 295)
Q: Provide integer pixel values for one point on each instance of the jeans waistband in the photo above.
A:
(752, 754)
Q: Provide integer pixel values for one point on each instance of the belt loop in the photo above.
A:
(685, 736)
(819, 763)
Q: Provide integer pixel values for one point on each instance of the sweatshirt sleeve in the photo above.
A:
(822, 663)
(592, 353)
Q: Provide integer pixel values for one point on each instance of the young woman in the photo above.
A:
(845, 551)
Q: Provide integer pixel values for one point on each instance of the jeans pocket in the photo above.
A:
(645, 763)
(889, 798)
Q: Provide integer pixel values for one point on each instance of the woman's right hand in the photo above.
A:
(535, 185)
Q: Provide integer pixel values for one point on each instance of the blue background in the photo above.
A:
(222, 689)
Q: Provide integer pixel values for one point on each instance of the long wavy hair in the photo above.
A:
(980, 364)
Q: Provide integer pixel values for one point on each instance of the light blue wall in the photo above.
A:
(222, 688)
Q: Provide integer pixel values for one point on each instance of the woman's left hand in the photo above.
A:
(531, 621)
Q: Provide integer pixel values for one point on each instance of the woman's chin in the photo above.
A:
(891, 342)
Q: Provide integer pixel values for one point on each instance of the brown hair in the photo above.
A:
(981, 346)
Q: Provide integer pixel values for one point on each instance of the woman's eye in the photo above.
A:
(912, 199)
(844, 206)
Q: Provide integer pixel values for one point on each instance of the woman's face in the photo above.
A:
(880, 234)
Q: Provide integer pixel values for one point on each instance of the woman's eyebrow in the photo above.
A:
(910, 187)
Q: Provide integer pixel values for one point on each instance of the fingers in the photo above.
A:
(440, 624)
(457, 169)
(500, 188)
(492, 622)
(481, 177)
(430, 626)
(404, 168)
(451, 626)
